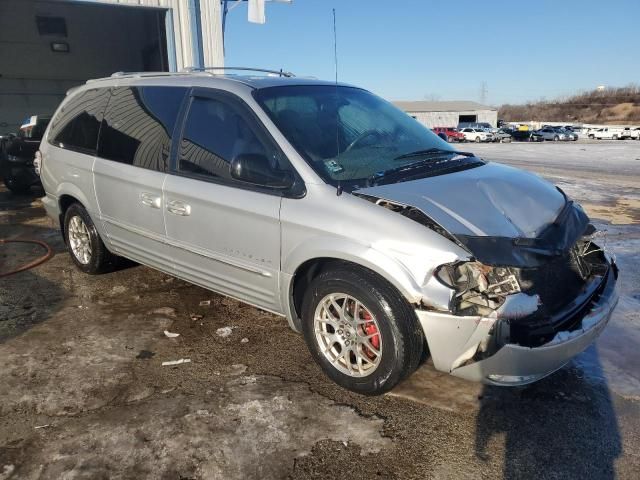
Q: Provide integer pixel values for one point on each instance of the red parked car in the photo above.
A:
(449, 134)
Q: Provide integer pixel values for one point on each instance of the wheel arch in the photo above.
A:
(305, 270)
(64, 202)
(67, 194)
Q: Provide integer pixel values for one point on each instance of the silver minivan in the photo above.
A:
(325, 204)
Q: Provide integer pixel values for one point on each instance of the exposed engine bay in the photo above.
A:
(531, 304)
(533, 287)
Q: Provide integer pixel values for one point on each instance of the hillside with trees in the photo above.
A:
(609, 106)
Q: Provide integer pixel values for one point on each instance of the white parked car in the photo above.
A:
(630, 133)
(606, 133)
(476, 135)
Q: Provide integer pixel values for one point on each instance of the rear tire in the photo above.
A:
(379, 306)
(84, 244)
(478, 140)
(15, 186)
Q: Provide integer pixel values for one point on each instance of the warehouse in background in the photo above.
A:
(49, 46)
(449, 114)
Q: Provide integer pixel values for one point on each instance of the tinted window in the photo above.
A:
(77, 124)
(215, 133)
(138, 125)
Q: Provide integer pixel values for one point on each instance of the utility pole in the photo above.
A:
(484, 91)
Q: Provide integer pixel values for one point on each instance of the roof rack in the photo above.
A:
(146, 74)
(189, 70)
(280, 73)
(135, 75)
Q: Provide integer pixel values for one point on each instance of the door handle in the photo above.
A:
(150, 200)
(179, 208)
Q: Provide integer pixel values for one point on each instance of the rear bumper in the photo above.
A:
(454, 340)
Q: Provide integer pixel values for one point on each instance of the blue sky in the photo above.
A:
(422, 49)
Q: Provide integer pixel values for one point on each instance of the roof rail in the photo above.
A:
(145, 74)
(135, 75)
(280, 73)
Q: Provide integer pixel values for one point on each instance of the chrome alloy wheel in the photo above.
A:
(79, 239)
(348, 335)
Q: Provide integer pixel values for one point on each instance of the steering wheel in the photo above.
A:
(361, 137)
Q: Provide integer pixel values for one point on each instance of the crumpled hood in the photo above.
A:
(492, 200)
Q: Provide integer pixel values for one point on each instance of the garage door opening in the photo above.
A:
(47, 47)
(467, 119)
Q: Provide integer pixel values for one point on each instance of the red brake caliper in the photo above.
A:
(370, 329)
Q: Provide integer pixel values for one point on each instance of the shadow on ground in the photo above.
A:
(563, 426)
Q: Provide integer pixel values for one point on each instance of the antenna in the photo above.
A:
(335, 61)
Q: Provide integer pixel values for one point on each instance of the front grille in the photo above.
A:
(558, 283)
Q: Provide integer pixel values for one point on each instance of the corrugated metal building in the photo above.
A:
(449, 114)
(48, 46)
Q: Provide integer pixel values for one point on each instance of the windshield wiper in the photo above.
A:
(431, 151)
(426, 165)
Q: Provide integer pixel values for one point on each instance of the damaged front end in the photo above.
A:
(535, 290)
(515, 325)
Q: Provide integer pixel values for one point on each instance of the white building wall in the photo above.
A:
(451, 119)
(211, 14)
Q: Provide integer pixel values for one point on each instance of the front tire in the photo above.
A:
(84, 244)
(360, 330)
(16, 186)
(478, 140)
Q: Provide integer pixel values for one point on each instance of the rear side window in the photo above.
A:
(215, 132)
(138, 125)
(76, 125)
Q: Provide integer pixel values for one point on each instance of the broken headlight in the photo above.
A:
(480, 289)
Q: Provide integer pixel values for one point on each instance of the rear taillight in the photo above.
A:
(37, 162)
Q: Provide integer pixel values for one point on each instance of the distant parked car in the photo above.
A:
(570, 135)
(476, 135)
(582, 132)
(630, 133)
(449, 134)
(502, 136)
(462, 125)
(17, 153)
(606, 133)
(524, 135)
(549, 133)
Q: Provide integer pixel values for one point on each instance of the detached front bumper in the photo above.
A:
(454, 340)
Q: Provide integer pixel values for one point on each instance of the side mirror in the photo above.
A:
(255, 169)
